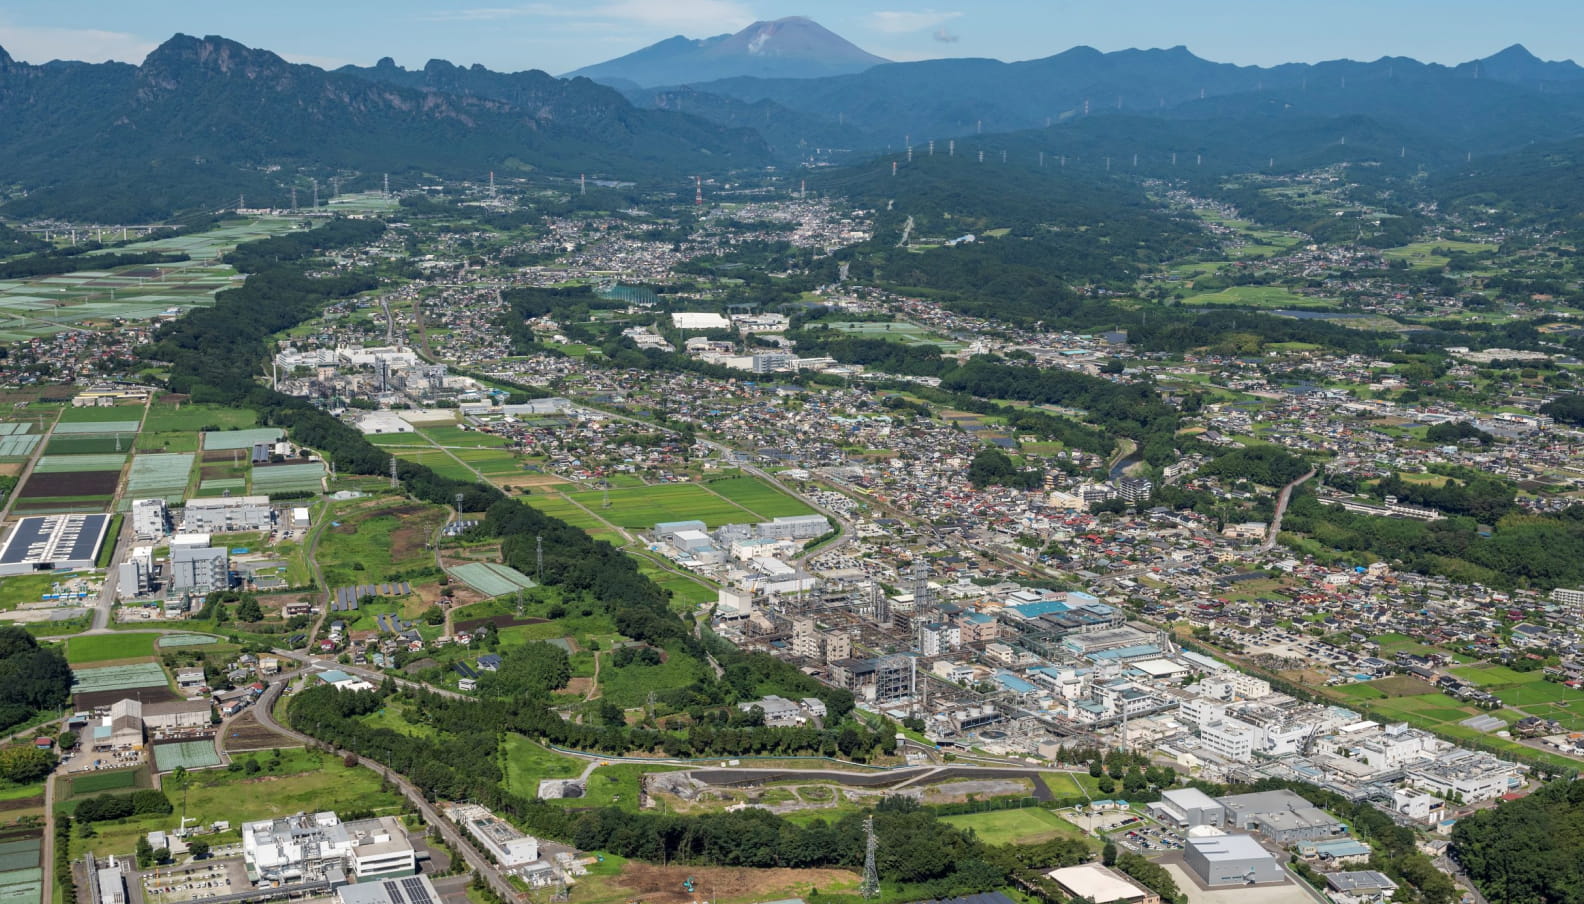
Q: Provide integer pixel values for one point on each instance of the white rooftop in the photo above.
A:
(1096, 883)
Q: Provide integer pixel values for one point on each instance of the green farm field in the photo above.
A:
(760, 497)
(191, 417)
(106, 647)
(96, 414)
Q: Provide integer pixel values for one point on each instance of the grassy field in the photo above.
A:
(630, 686)
(99, 415)
(526, 763)
(105, 647)
(1424, 255)
(644, 507)
(1026, 826)
(374, 540)
(299, 781)
(190, 417)
(757, 496)
(438, 461)
(1257, 297)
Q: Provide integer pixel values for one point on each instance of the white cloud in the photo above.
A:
(90, 45)
(903, 21)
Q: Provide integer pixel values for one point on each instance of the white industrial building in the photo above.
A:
(1189, 807)
(1101, 885)
(197, 566)
(794, 527)
(135, 576)
(53, 543)
(150, 518)
(310, 846)
(226, 514)
(510, 848)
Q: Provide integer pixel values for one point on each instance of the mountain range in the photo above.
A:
(1496, 103)
(203, 120)
(793, 47)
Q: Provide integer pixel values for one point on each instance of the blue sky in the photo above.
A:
(559, 35)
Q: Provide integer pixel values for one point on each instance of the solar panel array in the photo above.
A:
(347, 598)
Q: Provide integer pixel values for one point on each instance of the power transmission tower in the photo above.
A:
(539, 556)
(871, 877)
(393, 471)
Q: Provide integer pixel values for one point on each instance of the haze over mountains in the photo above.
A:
(202, 121)
(794, 47)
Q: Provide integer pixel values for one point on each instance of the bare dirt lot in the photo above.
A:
(663, 884)
(70, 483)
(245, 733)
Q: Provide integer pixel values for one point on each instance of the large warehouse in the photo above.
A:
(1220, 860)
(53, 543)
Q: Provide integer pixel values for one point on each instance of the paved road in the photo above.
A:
(1281, 509)
(447, 829)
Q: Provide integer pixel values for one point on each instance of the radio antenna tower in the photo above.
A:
(294, 197)
(459, 506)
(932, 147)
(802, 189)
(582, 183)
(698, 191)
(951, 148)
(871, 877)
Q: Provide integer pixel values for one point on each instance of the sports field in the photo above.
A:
(644, 507)
(1025, 826)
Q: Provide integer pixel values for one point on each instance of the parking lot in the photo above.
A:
(194, 881)
(1148, 838)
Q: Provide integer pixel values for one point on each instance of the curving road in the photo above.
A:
(447, 829)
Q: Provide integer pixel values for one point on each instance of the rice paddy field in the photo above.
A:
(87, 299)
(760, 497)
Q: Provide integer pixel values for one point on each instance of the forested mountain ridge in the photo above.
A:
(1487, 105)
(203, 120)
